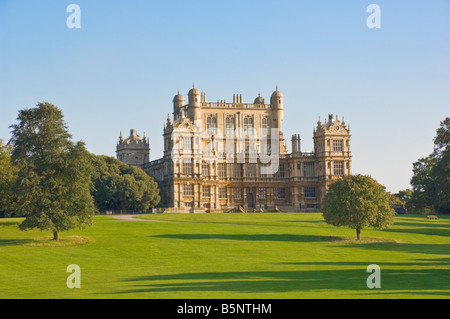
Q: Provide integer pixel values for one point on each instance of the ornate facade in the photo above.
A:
(133, 150)
(221, 156)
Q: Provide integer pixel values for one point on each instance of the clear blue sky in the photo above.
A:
(123, 67)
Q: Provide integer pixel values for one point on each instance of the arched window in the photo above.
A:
(229, 123)
(211, 124)
(265, 125)
(248, 125)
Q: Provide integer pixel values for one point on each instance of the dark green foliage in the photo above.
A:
(357, 201)
(8, 175)
(404, 195)
(431, 176)
(53, 180)
(404, 199)
(162, 194)
(121, 187)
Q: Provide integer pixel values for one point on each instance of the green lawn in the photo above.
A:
(253, 255)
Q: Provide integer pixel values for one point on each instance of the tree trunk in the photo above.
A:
(358, 234)
(55, 235)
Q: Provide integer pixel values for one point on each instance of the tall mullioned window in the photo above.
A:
(262, 193)
(211, 124)
(280, 172)
(222, 193)
(265, 126)
(221, 170)
(206, 191)
(187, 143)
(279, 193)
(309, 169)
(265, 147)
(237, 170)
(237, 193)
(205, 169)
(248, 125)
(188, 190)
(338, 145)
(251, 170)
(229, 123)
(187, 168)
(310, 192)
(339, 168)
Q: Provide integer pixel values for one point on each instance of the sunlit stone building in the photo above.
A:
(221, 156)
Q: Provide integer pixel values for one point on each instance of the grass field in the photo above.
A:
(254, 255)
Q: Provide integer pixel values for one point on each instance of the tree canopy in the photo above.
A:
(118, 186)
(8, 175)
(431, 176)
(53, 178)
(357, 201)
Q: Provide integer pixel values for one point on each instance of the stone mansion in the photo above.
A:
(221, 156)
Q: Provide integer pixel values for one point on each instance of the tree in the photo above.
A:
(8, 175)
(431, 175)
(119, 186)
(441, 170)
(424, 184)
(53, 180)
(357, 201)
(404, 195)
(394, 200)
(163, 194)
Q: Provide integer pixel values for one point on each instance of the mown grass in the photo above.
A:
(254, 255)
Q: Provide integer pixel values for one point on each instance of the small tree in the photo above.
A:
(357, 201)
(53, 180)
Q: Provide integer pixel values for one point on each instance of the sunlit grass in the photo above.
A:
(253, 255)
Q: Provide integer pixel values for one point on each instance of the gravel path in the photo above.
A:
(133, 219)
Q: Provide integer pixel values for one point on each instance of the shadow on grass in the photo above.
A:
(433, 231)
(256, 237)
(436, 249)
(47, 241)
(3, 223)
(420, 263)
(414, 281)
(304, 221)
(14, 242)
(424, 224)
(422, 231)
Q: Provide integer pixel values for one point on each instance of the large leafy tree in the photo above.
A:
(118, 186)
(404, 195)
(357, 201)
(54, 174)
(8, 175)
(431, 175)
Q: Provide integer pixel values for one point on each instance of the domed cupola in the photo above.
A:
(276, 100)
(259, 99)
(178, 103)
